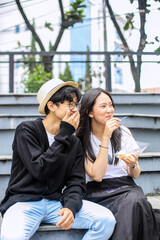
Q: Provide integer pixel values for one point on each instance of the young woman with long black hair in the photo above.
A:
(110, 178)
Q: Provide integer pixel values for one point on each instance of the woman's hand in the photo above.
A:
(131, 160)
(111, 125)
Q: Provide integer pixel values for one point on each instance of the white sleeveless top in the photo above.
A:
(120, 169)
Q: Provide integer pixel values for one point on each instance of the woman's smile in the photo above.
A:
(108, 117)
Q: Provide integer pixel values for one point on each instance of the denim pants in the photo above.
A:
(22, 219)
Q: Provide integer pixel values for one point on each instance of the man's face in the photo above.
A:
(62, 108)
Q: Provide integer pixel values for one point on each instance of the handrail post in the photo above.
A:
(108, 72)
(11, 72)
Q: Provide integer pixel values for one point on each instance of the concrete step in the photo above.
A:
(149, 179)
(8, 124)
(154, 201)
(50, 232)
(19, 103)
(137, 103)
(124, 103)
(144, 128)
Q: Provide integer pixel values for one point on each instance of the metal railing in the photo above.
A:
(105, 58)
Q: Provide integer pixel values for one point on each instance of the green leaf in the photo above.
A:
(19, 44)
(156, 38)
(158, 49)
(49, 26)
(76, 12)
(82, 6)
(132, 26)
(50, 46)
(126, 27)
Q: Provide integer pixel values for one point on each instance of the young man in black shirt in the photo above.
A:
(47, 182)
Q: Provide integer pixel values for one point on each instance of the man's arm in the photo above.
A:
(75, 184)
(42, 163)
(74, 192)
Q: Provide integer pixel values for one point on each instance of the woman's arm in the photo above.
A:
(98, 169)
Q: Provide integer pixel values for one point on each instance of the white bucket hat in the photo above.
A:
(48, 89)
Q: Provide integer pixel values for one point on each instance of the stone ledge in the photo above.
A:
(155, 201)
(50, 232)
(142, 155)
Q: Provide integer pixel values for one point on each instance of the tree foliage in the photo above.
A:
(35, 79)
(69, 18)
(76, 12)
(67, 75)
(35, 74)
(135, 65)
(88, 76)
(86, 82)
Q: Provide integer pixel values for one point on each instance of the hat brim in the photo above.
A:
(54, 90)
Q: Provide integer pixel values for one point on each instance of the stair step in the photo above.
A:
(18, 99)
(148, 180)
(124, 102)
(136, 98)
(144, 121)
(50, 232)
(143, 127)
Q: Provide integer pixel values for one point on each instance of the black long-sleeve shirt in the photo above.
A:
(39, 171)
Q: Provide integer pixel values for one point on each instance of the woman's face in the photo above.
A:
(102, 110)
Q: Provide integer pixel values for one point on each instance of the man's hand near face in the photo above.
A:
(72, 118)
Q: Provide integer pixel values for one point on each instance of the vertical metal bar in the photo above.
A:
(108, 72)
(105, 43)
(104, 24)
(11, 72)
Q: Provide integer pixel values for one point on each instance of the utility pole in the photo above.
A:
(107, 56)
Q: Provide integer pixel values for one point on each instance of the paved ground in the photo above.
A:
(155, 201)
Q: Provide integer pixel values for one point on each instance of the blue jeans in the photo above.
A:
(22, 219)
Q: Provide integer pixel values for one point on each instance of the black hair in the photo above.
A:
(84, 129)
(64, 93)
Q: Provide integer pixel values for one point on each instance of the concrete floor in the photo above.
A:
(155, 201)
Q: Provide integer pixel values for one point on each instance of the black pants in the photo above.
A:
(136, 219)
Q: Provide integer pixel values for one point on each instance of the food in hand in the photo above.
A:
(121, 155)
(124, 155)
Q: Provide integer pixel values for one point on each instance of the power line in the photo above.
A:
(11, 3)
(86, 19)
(23, 23)
(25, 1)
